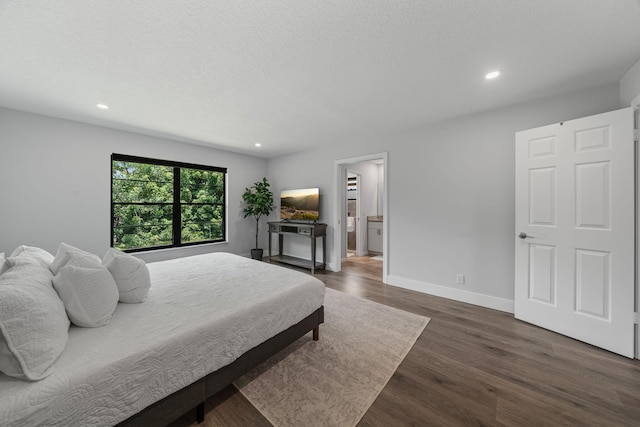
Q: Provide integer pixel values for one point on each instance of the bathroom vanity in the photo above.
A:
(374, 234)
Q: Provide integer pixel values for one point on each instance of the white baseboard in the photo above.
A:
(482, 300)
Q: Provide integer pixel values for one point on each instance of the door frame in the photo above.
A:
(635, 104)
(339, 178)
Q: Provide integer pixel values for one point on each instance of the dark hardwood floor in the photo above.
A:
(475, 367)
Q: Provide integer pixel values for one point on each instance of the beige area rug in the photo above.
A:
(334, 381)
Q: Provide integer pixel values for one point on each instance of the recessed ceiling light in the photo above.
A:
(102, 106)
(492, 75)
(257, 144)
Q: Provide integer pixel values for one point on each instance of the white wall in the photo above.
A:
(55, 183)
(630, 85)
(451, 193)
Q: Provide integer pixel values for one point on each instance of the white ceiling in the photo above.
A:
(292, 74)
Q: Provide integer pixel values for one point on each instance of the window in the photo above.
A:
(160, 204)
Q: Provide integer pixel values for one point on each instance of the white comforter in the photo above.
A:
(201, 314)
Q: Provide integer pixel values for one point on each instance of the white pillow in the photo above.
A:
(90, 295)
(4, 264)
(30, 255)
(33, 323)
(62, 257)
(130, 273)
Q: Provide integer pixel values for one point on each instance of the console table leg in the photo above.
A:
(313, 255)
(324, 252)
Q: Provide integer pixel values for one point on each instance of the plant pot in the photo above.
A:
(256, 254)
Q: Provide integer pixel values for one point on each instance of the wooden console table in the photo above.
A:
(312, 231)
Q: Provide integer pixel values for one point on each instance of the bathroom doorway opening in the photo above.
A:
(367, 218)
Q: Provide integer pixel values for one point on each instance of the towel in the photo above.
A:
(351, 224)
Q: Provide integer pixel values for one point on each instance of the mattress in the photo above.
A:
(201, 314)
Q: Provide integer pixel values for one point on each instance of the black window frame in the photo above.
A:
(176, 234)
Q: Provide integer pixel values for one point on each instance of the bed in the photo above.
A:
(207, 320)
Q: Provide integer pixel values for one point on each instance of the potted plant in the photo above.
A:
(259, 201)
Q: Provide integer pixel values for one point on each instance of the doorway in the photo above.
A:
(371, 205)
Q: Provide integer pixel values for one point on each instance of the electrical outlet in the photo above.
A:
(460, 279)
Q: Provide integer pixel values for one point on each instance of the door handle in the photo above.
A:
(523, 235)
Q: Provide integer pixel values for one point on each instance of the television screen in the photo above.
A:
(300, 204)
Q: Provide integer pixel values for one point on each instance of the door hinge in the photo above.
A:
(636, 318)
(635, 135)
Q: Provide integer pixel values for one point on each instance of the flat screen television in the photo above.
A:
(300, 205)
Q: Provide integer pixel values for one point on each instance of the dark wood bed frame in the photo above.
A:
(193, 396)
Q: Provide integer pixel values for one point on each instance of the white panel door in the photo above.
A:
(574, 245)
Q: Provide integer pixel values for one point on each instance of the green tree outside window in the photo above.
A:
(162, 204)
